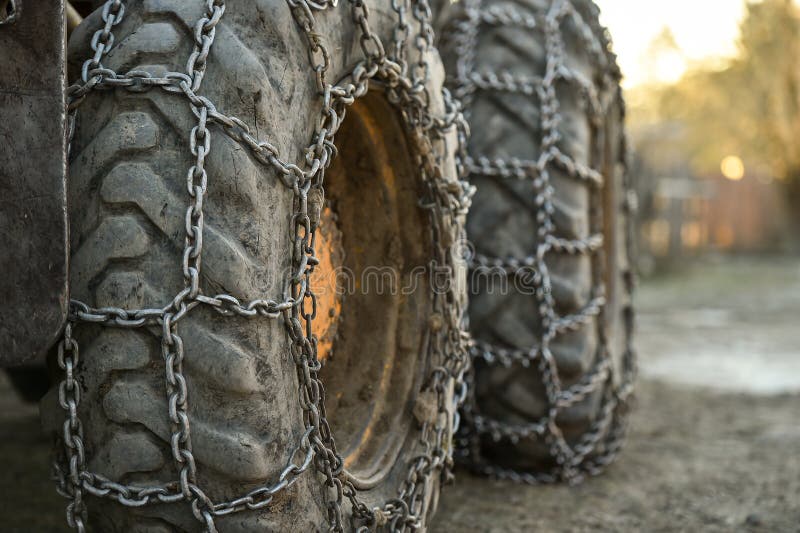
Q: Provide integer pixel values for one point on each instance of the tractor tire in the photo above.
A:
(127, 204)
(552, 354)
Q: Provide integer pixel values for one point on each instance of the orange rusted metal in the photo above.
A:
(324, 283)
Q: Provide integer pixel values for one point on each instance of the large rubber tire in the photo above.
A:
(506, 123)
(127, 201)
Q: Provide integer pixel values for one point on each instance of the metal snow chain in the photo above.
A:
(600, 444)
(316, 446)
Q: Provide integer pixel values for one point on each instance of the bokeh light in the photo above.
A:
(732, 168)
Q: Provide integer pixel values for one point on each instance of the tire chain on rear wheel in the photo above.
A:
(447, 204)
(599, 445)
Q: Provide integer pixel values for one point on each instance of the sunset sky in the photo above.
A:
(705, 30)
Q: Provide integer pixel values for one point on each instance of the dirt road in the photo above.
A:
(715, 439)
(695, 461)
(715, 442)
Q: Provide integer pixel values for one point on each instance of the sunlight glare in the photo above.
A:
(669, 68)
(703, 31)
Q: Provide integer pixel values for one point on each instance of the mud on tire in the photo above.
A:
(550, 281)
(127, 199)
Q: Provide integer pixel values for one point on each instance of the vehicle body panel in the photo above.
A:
(33, 151)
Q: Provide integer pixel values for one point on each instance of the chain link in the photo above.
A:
(445, 201)
(69, 397)
(599, 445)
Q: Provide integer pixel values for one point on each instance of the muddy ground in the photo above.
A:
(715, 440)
(695, 461)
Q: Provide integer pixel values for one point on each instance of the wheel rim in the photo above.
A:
(376, 298)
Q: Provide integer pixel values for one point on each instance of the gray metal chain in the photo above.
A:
(446, 204)
(602, 441)
(69, 397)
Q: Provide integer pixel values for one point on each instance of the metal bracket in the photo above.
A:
(33, 152)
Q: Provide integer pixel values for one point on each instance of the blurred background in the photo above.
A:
(713, 89)
(713, 92)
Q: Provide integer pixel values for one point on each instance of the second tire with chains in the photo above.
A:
(497, 54)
